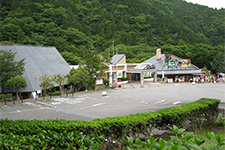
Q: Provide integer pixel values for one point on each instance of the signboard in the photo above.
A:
(146, 74)
(172, 63)
(185, 63)
(120, 74)
(99, 81)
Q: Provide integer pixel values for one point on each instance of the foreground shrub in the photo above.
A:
(50, 134)
(57, 134)
(180, 141)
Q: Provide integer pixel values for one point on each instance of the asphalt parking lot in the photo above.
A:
(117, 102)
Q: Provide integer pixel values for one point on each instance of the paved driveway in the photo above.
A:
(91, 105)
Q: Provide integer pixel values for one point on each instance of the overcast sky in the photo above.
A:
(210, 3)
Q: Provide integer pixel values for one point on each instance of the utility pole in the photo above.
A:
(116, 66)
(113, 50)
(109, 53)
(113, 63)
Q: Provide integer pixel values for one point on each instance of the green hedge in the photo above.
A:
(44, 134)
(2, 97)
(6, 97)
(113, 129)
(123, 79)
(56, 93)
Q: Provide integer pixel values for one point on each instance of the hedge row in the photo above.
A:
(57, 133)
(123, 79)
(6, 96)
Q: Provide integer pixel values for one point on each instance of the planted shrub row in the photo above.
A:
(8, 96)
(59, 133)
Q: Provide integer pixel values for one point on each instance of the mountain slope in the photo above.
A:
(93, 24)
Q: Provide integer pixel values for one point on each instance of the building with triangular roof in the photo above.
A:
(38, 61)
(118, 68)
(171, 67)
(165, 67)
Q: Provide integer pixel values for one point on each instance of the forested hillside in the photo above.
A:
(138, 27)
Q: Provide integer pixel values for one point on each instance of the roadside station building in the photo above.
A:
(171, 68)
(161, 67)
(118, 68)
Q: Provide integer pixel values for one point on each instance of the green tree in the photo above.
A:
(76, 1)
(46, 83)
(61, 80)
(9, 67)
(16, 83)
(11, 32)
(130, 22)
(78, 78)
(218, 63)
(70, 58)
(93, 63)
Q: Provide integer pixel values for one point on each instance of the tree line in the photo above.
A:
(137, 26)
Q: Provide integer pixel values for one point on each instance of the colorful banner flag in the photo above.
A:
(185, 63)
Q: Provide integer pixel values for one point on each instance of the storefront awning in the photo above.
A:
(177, 72)
(140, 70)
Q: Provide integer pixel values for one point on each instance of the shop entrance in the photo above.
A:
(135, 76)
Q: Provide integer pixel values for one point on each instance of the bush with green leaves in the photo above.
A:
(9, 95)
(181, 140)
(45, 134)
(6, 97)
(106, 81)
(123, 79)
(2, 96)
(56, 93)
(191, 114)
(114, 129)
(221, 121)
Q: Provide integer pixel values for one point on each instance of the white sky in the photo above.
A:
(210, 3)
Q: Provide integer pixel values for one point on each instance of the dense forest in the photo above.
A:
(138, 28)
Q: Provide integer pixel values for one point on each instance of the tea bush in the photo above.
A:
(57, 134)
(181, 141)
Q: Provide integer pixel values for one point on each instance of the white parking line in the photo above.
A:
(98, 104)
(159, 102)
(175, 103)
(95, 105)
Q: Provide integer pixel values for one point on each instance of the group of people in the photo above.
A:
(208, 79)
(214, 79)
